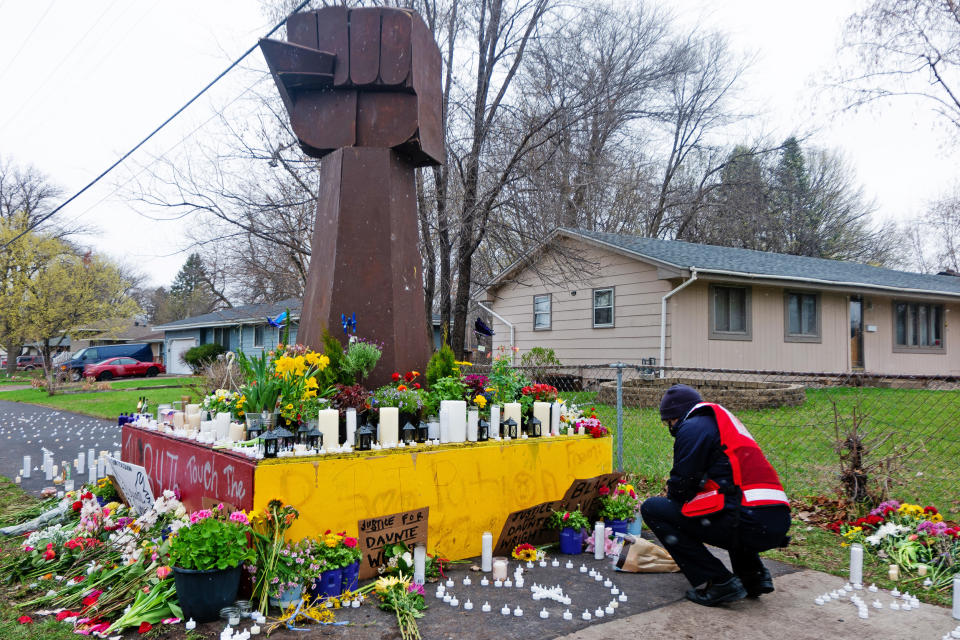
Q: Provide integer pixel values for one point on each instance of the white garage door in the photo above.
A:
(176, 349)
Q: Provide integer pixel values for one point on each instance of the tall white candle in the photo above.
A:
(91, 460)
(956, 597)
(511, 410)
(47, 466)
(541, 411)
(101, 466)
(444, 421)
(193, 421)
(92, 473)
(351, 426)
(328, 422)
(599, 533)
(191, 409)
(81, 461)
(856, 563)
(555, 418)
(457, 410)
(500, 569)
(389, 426)
(473, 417)
(237, 432)
(494, 421)
(419, 564)
(26, 467)
(178, 418)
(486, 553)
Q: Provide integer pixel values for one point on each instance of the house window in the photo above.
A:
(918, 326)
(729, 312)
(541, 312)
(801, 313)
(602, 308)
(258, 336)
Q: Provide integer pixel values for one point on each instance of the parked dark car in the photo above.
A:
(29, 363)
(91, 355)
(122, 368)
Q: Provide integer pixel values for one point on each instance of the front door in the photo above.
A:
(856, 332)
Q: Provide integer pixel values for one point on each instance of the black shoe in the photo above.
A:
(758, 583)
(713, 594)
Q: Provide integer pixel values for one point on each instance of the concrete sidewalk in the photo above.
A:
(787, 614)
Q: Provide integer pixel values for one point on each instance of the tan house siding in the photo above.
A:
(878, 346)
(767, 349)
(636, 330)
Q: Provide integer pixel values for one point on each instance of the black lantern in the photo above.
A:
(483, 430)
(286, 438)
(302, 433)
(423, 431)
(254, 428)
(314, 438)
(271, 442)
(536, 427)
(408, 434)
(364, 438)
(510, 428)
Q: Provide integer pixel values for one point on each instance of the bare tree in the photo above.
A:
(905, 48)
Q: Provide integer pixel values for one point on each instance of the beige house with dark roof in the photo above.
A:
(597, 298)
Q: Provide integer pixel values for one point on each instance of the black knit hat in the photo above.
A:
(677, 401)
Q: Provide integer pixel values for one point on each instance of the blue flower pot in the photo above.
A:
(331, 583)
(286, 597)
(351, 577)
(618, 526)
(636, 526)
(571, 542)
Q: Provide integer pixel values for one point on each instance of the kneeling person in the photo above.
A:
(722, 491)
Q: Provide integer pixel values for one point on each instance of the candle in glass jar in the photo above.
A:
(486, 553)
(500, 569)
(856, 563)
(351, 425)
(419, 564)
(511, 410)
(473, 418)
(193, 421)
(191, 409)
(599, 534)
(494, 421)
(328, 423)
(893, 572)
(389, 426)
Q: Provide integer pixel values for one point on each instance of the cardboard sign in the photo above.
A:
(132, 483)
(530, 525)
(409, 527)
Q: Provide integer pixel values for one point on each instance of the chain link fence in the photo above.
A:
(886, 435)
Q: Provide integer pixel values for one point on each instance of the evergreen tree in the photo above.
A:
(191, 293)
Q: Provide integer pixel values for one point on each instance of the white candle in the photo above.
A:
(473, 417)
(90, 457)
(47, 466)
(511, 410)
(190, 409)
(81, 461)
(237, 432)
(893, 572)
(26, 467)
(444, 421)
(91, 473)
(178, 419)
(599, 533)
(389, 426)
(457, 410)
(541, 411)
(500, 569)
(433, 429)
(555, 418)
(956, 597)
(328, 423)
(494, 421)
(856, 563)
(486, 554)
(221, 424)
(193, 421)
(351, 425)
(419, 564)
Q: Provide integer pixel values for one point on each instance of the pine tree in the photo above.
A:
(191, 293)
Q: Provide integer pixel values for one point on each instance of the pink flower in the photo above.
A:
(239, 516)
(197, 516)
(163, 572)
(566, 516)
(350, 542)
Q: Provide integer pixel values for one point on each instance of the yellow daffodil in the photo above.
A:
(312, 383)
(852, 532)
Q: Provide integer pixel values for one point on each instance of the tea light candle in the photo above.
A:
(419, 564)
(569, 564)
(555, 563)
(486, 607)
(447, 597)
(467, 581)
(468, 605)
(518, 612)
(498, 583)
(599, 535)
(614, 591)
(608, 610)
(190, 625)
(598, 613)
(543, 563)
(499, 569)
(449, 582)
(529, 565)
(508, 582)
(544, 614)
(598, 577)
(454, 602)
(567, 615)
(255, 630)
(586, 615)
(234, 619)
(506, 610)
(484, 582)
(486, 553)
(893, 572)
(608, 583)
(622, 597)
(583, 568)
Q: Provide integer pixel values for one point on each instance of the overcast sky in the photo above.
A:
(83, 82)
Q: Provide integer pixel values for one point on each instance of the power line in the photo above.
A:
(26, 40)
(176, 113)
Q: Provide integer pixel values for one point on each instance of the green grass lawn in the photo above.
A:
(103, 404)
(130, 383)
(799, 441)
(20, 378)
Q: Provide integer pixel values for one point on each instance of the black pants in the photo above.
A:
(760, 528)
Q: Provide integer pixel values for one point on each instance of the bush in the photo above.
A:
(441, 365)
(196, 357)
(539, 360)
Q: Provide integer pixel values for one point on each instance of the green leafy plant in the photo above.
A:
(563, 519)
(360, 358)
(539, 360)
(213, 540)
(442, 364)
(334, 350)
(202, 354)
(506, 381)
(619, 503)
(405, 399)
(262, 389)
(269, 540)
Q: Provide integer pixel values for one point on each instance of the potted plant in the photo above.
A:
(407, 399)
(338, 555)
(206, 556)
(290, 572)
(571, 525)
(619, 505)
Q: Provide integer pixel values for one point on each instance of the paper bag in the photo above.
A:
(642, 556)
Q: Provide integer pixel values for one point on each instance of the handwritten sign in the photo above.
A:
(530, 525)
(132, 483)
(409, 527)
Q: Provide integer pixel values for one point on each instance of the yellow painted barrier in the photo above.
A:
(468, 488)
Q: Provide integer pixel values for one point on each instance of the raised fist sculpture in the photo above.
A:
(362, 89)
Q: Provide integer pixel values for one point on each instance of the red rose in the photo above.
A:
(144, 627)
(87, 496)
(77, 505)
(604, 491)
(395, 376)
(49, 554)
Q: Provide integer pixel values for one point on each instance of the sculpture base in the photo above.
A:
(365, 259)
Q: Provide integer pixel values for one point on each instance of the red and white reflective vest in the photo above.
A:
(752, 473)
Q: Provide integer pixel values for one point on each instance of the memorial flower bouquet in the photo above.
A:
(620, 503)
(220, 401)
(573, 519)
(399, 559)
(400, 595)
(269, 528)
(262, 388)
(505, 380)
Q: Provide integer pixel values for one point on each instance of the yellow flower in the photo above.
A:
(935, 518)
(480, 401)
(852, 532)
(490, 390)
(289, 405)
(283, 365)
(386, 583)
(312, 383)
(299, 365)
(309, 393)
(312, 357)
(463, 364)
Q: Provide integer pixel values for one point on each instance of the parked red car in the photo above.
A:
(121, 368)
